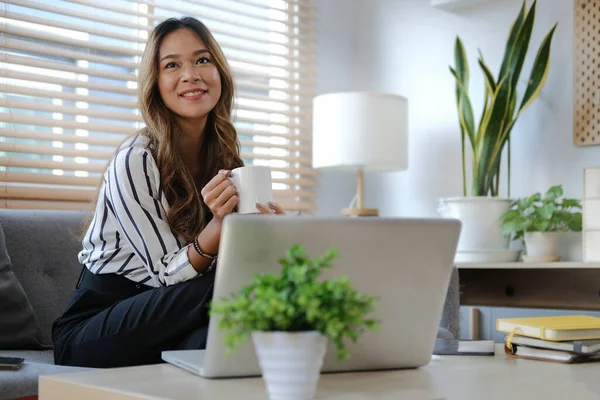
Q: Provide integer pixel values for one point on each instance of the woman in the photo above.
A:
(149, 251)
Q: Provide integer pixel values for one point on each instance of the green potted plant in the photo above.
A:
(537, 219)
(290, 318)
(486, 140)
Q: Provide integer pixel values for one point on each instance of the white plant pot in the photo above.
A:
(541, 246)
(480, 218)
(290, 363)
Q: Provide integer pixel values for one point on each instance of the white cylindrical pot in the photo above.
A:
(290, 363)
(541, 244)
(480, 218)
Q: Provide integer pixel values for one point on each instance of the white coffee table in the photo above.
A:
(449, 377)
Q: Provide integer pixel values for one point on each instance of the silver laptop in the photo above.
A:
(405, 262)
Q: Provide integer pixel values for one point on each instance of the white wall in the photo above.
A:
(405, 47)
(341, 37)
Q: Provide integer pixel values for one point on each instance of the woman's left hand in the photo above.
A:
(270, 208)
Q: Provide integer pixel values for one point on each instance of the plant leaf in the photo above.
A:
(515, 225)
(510, 215)
(520, 47)
(571, 203)
(489, 147)
(465, 109)
(458, 45)
(461, 64)
(490, 89)
(575, 224)
(537, 79)
(461, 73)
(510, 43)
(546, 211)
(526, 202)
(553, 193)
(502, 120)
(540, 225)
(461, 122)
(487, 88)
(539, 71)
(487, 74)
(516, 51)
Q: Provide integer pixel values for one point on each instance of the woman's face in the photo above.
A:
(188, 79)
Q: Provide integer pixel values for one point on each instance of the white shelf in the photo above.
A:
(456, 5)
(527, 265)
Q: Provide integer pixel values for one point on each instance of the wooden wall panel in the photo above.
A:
(586, 82)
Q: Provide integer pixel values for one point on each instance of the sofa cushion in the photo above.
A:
(24, 382)
(49, 276)
(20, 327)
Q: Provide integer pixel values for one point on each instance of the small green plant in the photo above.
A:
(295, 301)
(549, 213)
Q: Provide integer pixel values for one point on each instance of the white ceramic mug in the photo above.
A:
(253, 185)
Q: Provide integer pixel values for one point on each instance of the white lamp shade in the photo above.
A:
(360, 130)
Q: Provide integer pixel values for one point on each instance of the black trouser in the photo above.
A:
(111, 321)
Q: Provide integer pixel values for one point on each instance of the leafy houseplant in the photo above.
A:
(549, 213)
(293, 309)
(500, 112)
(539, 217)
(481, 237)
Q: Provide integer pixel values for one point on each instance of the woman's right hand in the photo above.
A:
(219, 195)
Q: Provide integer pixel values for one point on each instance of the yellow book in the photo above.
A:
(556, 328)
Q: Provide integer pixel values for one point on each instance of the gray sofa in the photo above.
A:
(43, 247)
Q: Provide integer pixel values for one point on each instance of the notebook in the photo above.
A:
(575, 346)
(532, 353)
(555, 328)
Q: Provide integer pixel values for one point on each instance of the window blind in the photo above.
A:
(68, 71)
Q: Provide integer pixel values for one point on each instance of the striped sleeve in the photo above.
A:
(131, 189)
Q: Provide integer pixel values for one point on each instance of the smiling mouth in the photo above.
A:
(194, 93)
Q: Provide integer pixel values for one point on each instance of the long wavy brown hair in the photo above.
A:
(188, 214)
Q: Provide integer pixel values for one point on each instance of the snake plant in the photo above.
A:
(500, 112)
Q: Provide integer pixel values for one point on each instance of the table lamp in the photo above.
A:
(360, 131)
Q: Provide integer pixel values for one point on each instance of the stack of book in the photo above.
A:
(566, 339)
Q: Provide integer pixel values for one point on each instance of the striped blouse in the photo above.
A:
(129, 233)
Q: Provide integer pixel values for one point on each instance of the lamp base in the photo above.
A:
(360, 212)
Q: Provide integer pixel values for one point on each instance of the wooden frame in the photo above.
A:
(586, 73)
